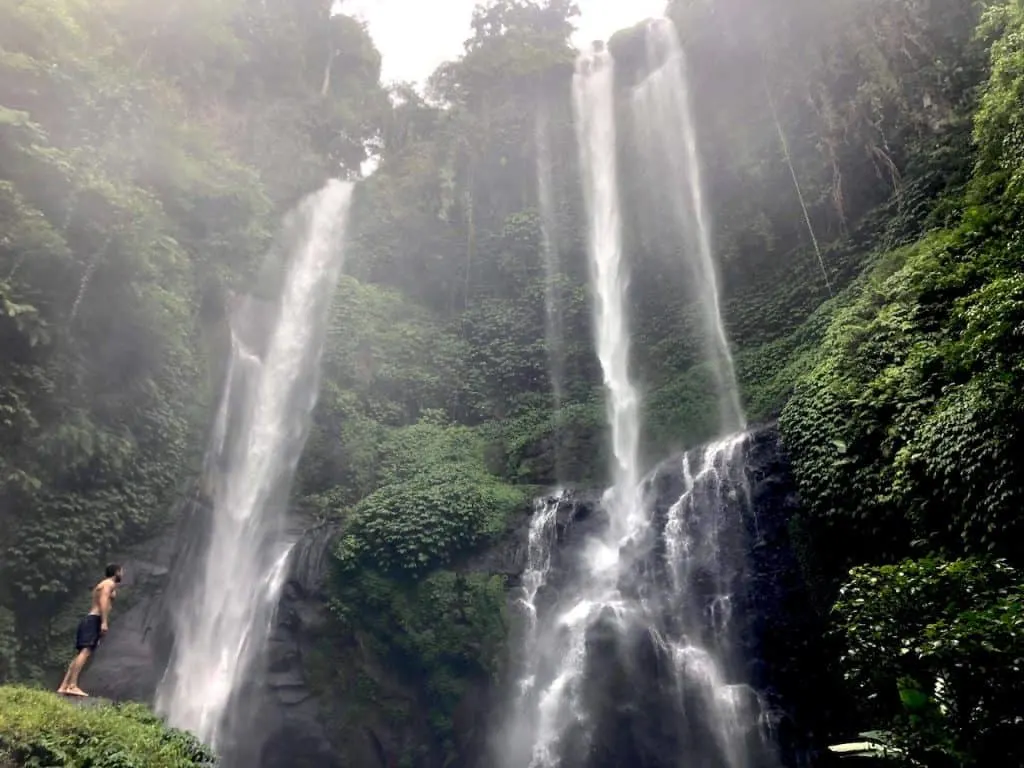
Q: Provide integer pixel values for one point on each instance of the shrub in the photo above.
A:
(38, 728)
(936, 650)
(438, 501)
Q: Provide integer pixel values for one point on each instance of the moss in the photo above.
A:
(401, 595)
(441, 635)
(38, 728)
(438, 501)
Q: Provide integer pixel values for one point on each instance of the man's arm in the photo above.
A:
(105, 591)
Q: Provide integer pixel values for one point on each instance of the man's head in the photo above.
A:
(115, 572)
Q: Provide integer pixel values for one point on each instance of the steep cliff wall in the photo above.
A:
(328, 697)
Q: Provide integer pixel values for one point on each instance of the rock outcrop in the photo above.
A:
(630, 690)
(289, 716)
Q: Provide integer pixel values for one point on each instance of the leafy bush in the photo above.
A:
(38, 728)
(438, 501)
(424, 522)
(544, 446)
(936, 651)
(915, 397)
(442, 630)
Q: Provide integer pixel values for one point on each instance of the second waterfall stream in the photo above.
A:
(223, 619)
(633, 656)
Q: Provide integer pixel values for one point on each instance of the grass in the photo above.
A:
(39, 729)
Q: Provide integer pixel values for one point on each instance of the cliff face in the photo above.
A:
(738, 535)
(295, 715)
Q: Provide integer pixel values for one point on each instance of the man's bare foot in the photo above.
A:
(74, 690)
(62, 690)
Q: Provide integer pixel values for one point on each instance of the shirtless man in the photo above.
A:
(92, 628)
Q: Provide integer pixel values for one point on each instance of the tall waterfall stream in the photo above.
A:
(221, 624)
(651, 588)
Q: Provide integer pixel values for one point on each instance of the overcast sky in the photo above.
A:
(415, 36)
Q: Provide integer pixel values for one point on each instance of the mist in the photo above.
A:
(530, 383)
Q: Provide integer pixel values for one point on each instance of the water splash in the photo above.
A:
(224, 618)
(664, 118)
(703, 539)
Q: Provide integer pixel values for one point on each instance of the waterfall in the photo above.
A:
(641, 659)
(650, 666)
(554, 698)
(703, 537)
(553, 327)
(594, 106)
(664, 116)
(223, 619)
(538, 562)
(540, 543)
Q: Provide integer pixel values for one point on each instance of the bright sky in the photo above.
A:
(415, 36)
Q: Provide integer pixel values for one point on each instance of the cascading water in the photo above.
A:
(552, 260)
(551, 697)
(594, 107)
(223, 619)
(640, 659)
(541, 540)
(704, 537)
(664, 117)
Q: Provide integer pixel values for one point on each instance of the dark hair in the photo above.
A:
(112, 570)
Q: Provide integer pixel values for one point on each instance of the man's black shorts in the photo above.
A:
(88, 635)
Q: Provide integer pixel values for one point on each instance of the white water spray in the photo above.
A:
(664, 118)
(557, 704)
(701, 534)
(594, 105)
(223, 621)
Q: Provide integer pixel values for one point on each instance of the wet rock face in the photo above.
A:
(131, 660)
(278, 718)
(636, 713)
(286, 718)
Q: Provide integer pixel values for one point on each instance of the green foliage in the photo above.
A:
(134, 188)
(444, 633)
(398, 358)
(437, 501)
(144, 152)
(914, 403)
(387, 361)
(541, 446)
(38, 728)
(915, 400)
(999, 124)
(936, 650)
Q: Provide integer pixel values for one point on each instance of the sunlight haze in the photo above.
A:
(414, 36)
